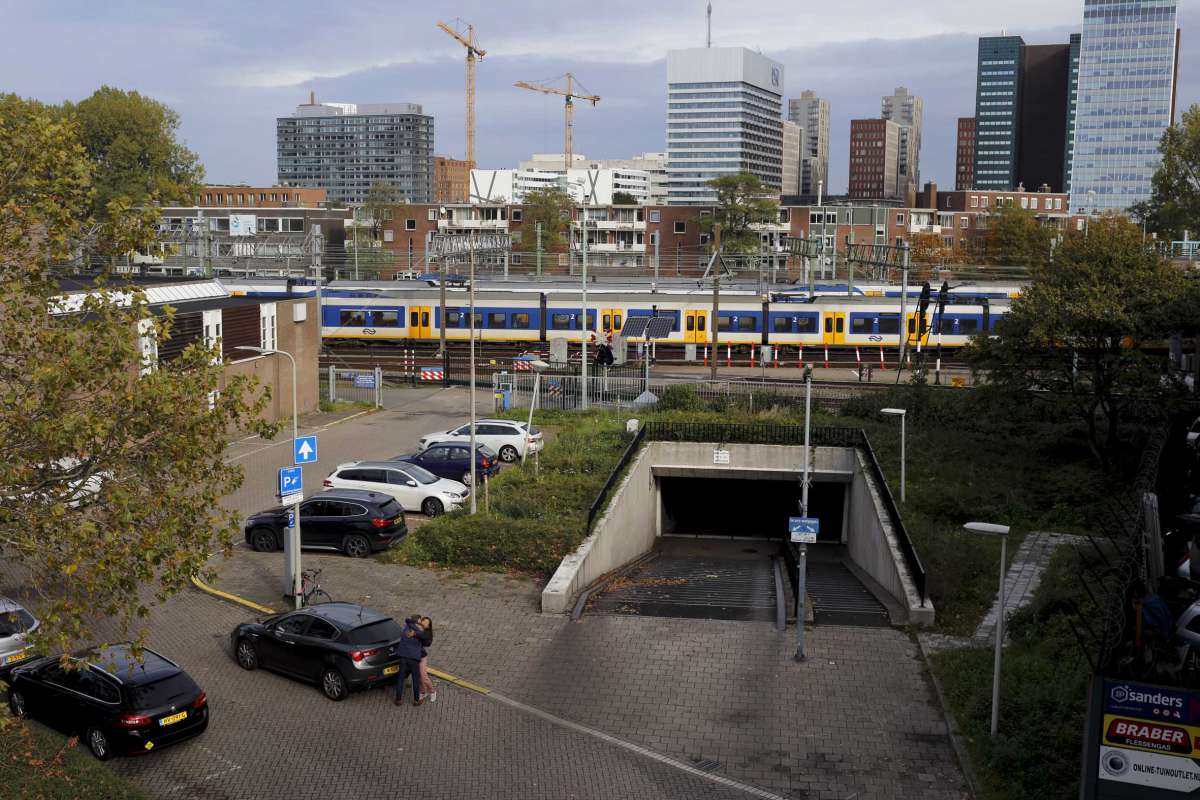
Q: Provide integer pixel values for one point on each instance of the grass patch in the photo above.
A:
(1043, 689)
(339, 406)
(38, 764)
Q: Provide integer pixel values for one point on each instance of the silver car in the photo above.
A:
(15, 624)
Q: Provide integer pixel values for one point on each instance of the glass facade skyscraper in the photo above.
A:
(723, 117)
(997, 111)
(1127, 70)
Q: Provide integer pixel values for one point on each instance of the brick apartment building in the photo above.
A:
(874, 158)
(451, 179)
(243, 196)
(964, 157)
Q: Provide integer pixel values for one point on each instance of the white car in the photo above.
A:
(412, 485)
(508, 438)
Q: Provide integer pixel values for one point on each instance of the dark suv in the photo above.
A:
(338, 646)
(353, 521)
(116, 703)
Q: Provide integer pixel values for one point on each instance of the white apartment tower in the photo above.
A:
(793, 157)
(812, 112)
(723, 117)
(908, 111)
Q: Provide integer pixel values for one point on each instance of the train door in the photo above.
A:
(833, 327)
(611, 320)
(695, 327)
(420, 322)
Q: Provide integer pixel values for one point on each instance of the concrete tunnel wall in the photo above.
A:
(629, 526)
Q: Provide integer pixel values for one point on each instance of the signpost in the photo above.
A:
(291, 492)
(291, 485)
(804, 530)
(305, 450)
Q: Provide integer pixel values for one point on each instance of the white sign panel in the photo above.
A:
(1149, 769)
(720, 456)
(242, 224)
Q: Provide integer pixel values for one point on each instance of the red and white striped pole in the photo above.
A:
(800, 358)
(729, 355)
(882, 363)
(858, 357)
(826, 358)
(750, 357)
(776, 355)
(706, 355)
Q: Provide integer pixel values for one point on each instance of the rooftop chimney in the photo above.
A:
(312, 98)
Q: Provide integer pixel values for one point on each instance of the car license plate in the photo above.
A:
(15, 657)
(392, 670)
(171, 720)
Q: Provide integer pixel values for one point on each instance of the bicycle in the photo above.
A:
(314, 593)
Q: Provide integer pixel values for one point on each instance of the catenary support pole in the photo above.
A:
(713, 327)
(472, 456)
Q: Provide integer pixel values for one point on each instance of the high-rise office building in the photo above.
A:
(1042, 128)
(964, 155)
(1128, 63)
(813, 113)
(908, 111)
(723, 117)
(345, 148)
(1072, 103)
(874, 159)
(997, 111)
(793, 156)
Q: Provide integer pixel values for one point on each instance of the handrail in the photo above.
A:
(913, 560)
(602, 496)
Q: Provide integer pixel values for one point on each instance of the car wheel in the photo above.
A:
(431, 507)
(508, 454)
(333, 685)
(97, 742)
(466, 479)
(356, 546)
(263, 540)
(247, 656)
(16, 704)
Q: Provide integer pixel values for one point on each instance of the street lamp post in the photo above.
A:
(583, 362)
(901, 413)
(802, 557)
(291, 542)
(442, 292)
(988, 529)
(539, 367)
(471, 290)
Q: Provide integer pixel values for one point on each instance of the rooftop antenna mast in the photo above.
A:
(708, 37)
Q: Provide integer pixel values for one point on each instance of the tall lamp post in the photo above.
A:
(901, 413)
(583, 361)
(802, 556)
(291, 542)
(989, 529)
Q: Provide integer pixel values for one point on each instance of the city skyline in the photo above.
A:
(230, 76)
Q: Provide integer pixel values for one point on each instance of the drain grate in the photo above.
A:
(708, 764)
(704, 588)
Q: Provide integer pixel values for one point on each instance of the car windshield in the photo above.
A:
(390, 509)
(485, 450)
(421, 474)
(16, 621)
(167, 691)
(383, 630)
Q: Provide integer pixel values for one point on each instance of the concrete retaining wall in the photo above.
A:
(625, 531)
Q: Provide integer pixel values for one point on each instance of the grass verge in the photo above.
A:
(37, 763)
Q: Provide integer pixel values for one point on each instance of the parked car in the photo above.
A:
(508, 438)
(118, 704)
(450, 460)
(15, 624)
(341, 647)
(351, 521)
(412, 485)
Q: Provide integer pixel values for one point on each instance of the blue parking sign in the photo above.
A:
(291, 481)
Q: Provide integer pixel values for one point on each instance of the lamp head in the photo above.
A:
(987, 528)
(893, 412)
(539, 365)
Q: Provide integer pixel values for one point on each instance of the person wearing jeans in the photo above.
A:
(409, 650)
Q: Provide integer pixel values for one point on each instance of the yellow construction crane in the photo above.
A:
(473, 52)
(570, 94)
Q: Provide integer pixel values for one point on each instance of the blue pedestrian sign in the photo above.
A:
(304, 449)
(364, 381)
(291, 482)
(804, 530)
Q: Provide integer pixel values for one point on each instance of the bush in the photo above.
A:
(680, 397)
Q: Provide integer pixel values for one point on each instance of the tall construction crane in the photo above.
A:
(570, 94)
(473, 52)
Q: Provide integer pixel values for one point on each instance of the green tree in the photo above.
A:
(623, 199)
(382, 198)
(111, 466)
(131, 140)
(742, 203)
(1015, 237)
(1072, 336)
(550, 206)
(1174, 204)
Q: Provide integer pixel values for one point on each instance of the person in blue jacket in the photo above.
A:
(409, 650)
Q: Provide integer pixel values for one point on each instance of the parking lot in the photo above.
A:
(611, 707)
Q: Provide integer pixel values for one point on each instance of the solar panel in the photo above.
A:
(659, 327)
(635, 327)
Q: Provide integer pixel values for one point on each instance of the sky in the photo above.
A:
(230, 68)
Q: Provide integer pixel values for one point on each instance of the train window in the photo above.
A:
(841, 324)
(497, 319)
(353, 318)
(829, 324)
(520, 320)
(478, 320)
(806, 324)
(560, 322)
(860, 324)
(607, 318)
(889, 323)
(722, 323)
(387, 319)
(413, 319)
(783, 325)
(691, 323)
(968, 325)
(452, 318)
(424, 319)
(747, 324)
(617, 322)
(912, 325)
(699, 322)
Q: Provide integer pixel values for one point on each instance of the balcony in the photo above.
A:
(473, 224)
(615, 247)
(616, 224)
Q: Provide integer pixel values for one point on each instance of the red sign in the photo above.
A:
(1147, 735)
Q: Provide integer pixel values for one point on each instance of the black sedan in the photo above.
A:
(116, 703)
(352, 521)
(449, 460)
(341, 647)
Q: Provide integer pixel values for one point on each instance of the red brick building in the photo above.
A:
(451, 179)
(964, 156)
(243, 196)
(874, 158)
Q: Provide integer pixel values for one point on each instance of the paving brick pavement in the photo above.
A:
(857, 720)
(1022, 578)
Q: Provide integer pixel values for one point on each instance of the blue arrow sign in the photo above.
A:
(291, 481)
(804, 529)
(304, 449)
